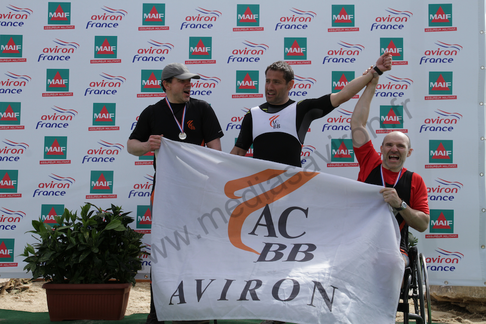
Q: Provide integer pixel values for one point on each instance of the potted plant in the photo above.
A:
(96, 250)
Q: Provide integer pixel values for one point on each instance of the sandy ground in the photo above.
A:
(32, 298)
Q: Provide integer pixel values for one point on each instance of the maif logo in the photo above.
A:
(346, 53)
(11, 48)
(340, 79)
(298, 20)
(144, 219)
(203, 20)
(394, 46)
(10, 113)
(142, 190)
(295, 50)
(107, 85)
(9, 219)
(153, 17)
(55, 150)
(203, 86)
(106, 153)
(9, 184)
(440, 86)
(441, 224)
(342, 153)
(12, 151)
(60, 118)
(301, 85)
(442, 122)
(60, 52)
(341, 123)
(391, 119)
(151, 84)
(394, 21)
(200, 50)
(444, 191)
(394, 88)
(59, 16)
(444, 53)
(7, 252)
(154, 53)
(146, 159)
(441, 153)
(101, 185)
(440, 18)
(104, 117)
(57, 83)
(445, 261)
(247, 84)
(15, 17)
(14, 83)
(248, 18)
(56, 188)
(109, 19)
(251, 53)
(343, 18)
(50, 212)
(105, 49)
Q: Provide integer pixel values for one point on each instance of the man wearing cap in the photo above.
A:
(177, 117)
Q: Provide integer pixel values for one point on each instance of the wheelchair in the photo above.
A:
(416, 289)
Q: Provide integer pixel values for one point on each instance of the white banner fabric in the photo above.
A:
(241, 238)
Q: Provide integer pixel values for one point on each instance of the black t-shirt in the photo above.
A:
(281, 147)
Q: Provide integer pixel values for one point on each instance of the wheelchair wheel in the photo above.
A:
(427, 314)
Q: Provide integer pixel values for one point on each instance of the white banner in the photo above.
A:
(240, 238)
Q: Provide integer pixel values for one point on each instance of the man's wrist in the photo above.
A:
(380, 72)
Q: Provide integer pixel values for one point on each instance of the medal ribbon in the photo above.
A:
(383, 179)
(180, 125)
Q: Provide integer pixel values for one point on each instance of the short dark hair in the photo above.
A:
(169, 80)
(284, 67)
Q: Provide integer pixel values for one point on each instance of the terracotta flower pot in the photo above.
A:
(87, 301)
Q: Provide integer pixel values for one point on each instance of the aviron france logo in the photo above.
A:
(107, 86)
(60, 52)
(343, 19)
(441, 154)
(442, 122)
(295, 50)
(10, 113)
(11, 48)
(441, 224)
(55, 150)
(251, 53)
(248, 18)
(153, 17)
(9, 184)
(247, 83)
(306, 152)
(341, 123)
(14, 83)
(154, 53)
(394, 46)
(301, 86)
(444, 53)
(109, 18)
(106, 153)
(104, 117)
(59, 16)
(142, 190)
(151, 84)
(105, 50)
(444, 191)
(346, 53)
(440, 86)
(394, 88)
(200, 50)
(298, 20)
(144, 219)
(391, 119)
(342, 153)
(9, 219)
(56, 188)
(445, 261)
(60, 118)
(203, 86)
(7, 253)
(340, 79)
(49, 213)
(57, 83)
(15, 17)
(440, 18)
(203, 20)
(101, 185)
(394, 21)
(12, 151)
